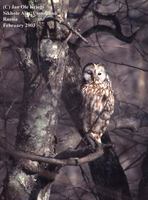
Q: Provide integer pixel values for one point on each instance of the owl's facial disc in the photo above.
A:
(94, 73)
(99, 73)
(88, 74)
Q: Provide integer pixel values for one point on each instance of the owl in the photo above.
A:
(98, 101)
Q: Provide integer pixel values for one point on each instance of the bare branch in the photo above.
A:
(104, 28)
(53, 10)
(68, 26)
(109, 17)
(57, 161)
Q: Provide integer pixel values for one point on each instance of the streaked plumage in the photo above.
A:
(98, 100)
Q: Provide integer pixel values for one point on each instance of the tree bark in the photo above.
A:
(43, 79)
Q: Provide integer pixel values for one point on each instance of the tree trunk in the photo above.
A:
(43, 78)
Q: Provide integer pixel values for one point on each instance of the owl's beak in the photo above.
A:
(92, 78)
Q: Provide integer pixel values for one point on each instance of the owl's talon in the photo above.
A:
(93, 142)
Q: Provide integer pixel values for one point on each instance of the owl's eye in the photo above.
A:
(89, 72)
(99, 73)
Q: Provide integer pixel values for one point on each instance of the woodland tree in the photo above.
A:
(48, 58)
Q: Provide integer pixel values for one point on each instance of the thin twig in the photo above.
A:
(83, 12)
(135, 161)
(10, 107)
(127, 65)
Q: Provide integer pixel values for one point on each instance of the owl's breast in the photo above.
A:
(92, 97)
(91, 89)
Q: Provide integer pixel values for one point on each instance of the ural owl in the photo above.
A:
(98, 101)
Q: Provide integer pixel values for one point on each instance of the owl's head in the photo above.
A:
(94, 73)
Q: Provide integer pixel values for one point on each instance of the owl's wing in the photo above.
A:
(100, 118)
